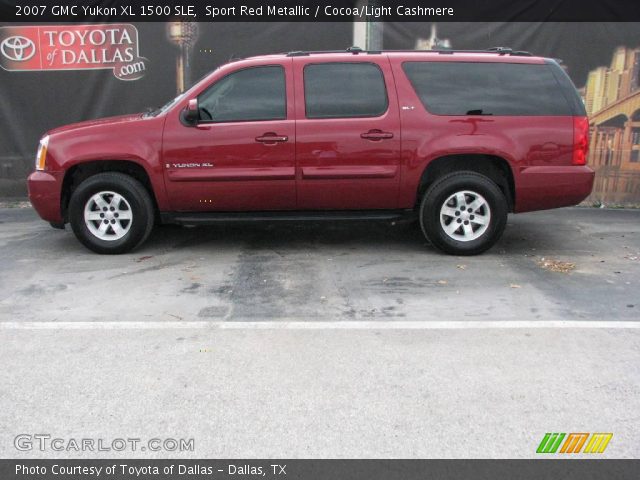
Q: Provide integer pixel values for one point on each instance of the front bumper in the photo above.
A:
(541, 188)
(45, 189)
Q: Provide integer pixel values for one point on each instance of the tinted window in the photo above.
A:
(344, 90)
(252, 94)
(448, 88)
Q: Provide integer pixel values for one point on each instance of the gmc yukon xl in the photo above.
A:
(457, 139)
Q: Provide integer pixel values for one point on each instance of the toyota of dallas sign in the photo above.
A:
(73, 47)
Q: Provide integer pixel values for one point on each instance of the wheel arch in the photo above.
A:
(79, 172)
(494, 167)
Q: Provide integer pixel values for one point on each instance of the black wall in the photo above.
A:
(33, 102)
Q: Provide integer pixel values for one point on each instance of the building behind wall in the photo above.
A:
(612, 100)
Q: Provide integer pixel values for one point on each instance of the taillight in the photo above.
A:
(580, 140)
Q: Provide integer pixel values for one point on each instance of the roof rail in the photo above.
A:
(357, 50)
(500, 50)
(509, 51)
(354, 50)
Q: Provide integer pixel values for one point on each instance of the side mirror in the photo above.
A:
(191, 114)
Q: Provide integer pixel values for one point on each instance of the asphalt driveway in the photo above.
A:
(571, 264)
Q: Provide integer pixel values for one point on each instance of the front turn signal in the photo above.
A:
(41, 156)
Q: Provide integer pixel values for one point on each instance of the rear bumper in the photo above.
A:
(541, 188)
(44, 193)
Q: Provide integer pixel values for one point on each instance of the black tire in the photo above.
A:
(443, 193)
(135, 195)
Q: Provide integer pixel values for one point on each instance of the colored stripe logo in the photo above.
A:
(574, 442)
(598, 442)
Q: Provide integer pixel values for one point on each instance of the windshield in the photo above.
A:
(165, 107)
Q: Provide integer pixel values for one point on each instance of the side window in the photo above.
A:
(465, 88)
(256, 93)
(342, 90)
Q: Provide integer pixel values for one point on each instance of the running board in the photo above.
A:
(208, 218)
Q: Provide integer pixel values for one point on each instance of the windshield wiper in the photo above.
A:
(151, 112)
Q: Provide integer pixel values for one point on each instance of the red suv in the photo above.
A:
(458, 138)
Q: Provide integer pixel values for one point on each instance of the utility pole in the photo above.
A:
(368, 33)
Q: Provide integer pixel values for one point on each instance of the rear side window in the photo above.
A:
(256, 93)
(342, 90)
(463, 88)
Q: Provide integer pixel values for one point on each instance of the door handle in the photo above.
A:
(271, 138)
(376, 135)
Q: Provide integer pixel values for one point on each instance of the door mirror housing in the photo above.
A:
(190, 115)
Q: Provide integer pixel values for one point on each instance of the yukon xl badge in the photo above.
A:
(189, 165)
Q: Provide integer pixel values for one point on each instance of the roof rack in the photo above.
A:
(357, 50)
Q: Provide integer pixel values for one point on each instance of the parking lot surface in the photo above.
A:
(333, 272)
(324, 340)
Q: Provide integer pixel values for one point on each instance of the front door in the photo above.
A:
(241, 154)
(348, 133)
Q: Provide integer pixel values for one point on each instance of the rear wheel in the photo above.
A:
(463, 213)
(111, 213)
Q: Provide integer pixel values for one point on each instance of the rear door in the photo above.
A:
(348, 133)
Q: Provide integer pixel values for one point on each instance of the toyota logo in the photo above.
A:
(18, 48)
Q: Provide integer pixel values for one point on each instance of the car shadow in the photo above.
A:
(524, 235)
(291, 236)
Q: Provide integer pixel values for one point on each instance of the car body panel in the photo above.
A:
(129, 138)
(222, 166)
(45, 189)
(337, 169)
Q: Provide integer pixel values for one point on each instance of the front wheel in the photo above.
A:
(111, 213)
(463, 213)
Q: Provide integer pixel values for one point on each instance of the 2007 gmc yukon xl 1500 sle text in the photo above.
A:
(458, 138)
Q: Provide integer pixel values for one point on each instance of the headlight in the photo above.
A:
(41, 156)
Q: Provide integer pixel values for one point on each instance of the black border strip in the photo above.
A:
(324, 10)
(568, 469)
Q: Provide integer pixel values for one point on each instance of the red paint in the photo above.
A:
(44, 194)
(321, 164)
(338, 168)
